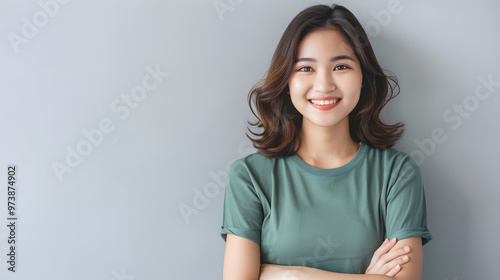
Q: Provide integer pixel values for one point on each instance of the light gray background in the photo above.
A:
(116, 214)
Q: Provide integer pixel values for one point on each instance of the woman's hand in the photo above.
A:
(388, 263)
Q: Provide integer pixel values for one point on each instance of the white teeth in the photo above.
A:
(324, 102)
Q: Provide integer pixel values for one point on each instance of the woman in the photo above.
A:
(325, 189)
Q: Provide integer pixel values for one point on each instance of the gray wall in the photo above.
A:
(120, 114)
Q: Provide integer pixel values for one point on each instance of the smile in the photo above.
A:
(325, 104)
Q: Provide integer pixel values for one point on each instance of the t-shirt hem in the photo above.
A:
(253, 235)
(413, 232)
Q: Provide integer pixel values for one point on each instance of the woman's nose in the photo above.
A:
(324, 82)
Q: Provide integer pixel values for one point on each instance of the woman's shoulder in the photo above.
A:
(392, 158)
(252, 168)
(254, 160)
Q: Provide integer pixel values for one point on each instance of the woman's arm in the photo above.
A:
(275, 272)
(242, 262)
(411, 270)
(241, 259)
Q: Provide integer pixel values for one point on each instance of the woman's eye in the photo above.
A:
(306, 69)
(341, 67)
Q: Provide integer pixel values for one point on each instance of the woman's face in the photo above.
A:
(326, 82)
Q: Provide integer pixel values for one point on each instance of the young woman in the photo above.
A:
(325, 197)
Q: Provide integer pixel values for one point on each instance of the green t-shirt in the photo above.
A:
(331, 219)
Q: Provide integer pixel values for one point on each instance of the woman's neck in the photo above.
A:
(327, 147)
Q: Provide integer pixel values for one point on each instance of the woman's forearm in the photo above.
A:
(387, 264)
(271, 272)
(318, 274)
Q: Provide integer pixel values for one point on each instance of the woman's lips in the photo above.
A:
(324, 104)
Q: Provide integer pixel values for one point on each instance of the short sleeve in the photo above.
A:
(406, 214)
(242, 214)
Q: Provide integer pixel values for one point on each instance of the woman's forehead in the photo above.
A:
(326, 43)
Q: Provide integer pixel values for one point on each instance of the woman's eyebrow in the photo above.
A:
(339, 57)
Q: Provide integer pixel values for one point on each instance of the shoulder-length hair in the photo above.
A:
(278, 121)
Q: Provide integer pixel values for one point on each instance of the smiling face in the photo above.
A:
(326, 81)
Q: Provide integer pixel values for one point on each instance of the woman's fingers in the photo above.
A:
(395, 266)
(382, 250)
(385, 247)
(386, 258)
(386, 261)
(394, 271)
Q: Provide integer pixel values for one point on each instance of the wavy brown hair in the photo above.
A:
(279, 122)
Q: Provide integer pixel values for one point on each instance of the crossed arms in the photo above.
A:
(390, 262)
